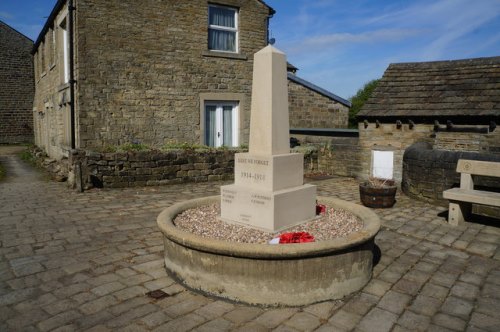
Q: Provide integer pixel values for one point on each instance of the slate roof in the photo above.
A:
(459, 88)
(321, 91)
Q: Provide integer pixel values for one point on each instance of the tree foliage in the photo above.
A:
(359, 99)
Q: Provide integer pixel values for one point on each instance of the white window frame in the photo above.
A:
(224, 28)
(62, 25)
(219, 139)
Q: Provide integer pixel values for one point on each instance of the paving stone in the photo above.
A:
(436, 291)
(378, 320)
(377, 287)
(465, 290)
(449, 322)
(284, 328)
(425, 305)
(130, 292)
(303, 321)
(98, 304)
(394, 302)
(488, 306)
(457, 307)
(251, 327)
(361, 303)
(214, 309)
(407, 286)
(415, 322)
(390, 276)
(58, 320)
(216, 325)
(444, 279)
(127, 305)
(88, 321)
(154, 319)
(59, 306)
(243, 314)
(186, 306)
(76, 267)
(131, 315)
(21, 322)
(274, 317)
(322, 310)
(107, 288)
(17, 296)
(159, 283)
(137, 279)
(482, 248)
(491, 290)
(345, 320)
(471, 278)
(181, 324)
(484, 322)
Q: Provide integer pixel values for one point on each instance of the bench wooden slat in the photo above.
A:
(473, 196)
(484, 168)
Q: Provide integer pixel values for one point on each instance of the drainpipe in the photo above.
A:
(71, 9)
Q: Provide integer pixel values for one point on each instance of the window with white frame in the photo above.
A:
(65, 50)
(221, 124)
(222, 28)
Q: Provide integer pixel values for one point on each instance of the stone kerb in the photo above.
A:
(290, 275)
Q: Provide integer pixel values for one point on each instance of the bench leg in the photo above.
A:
(458, 212)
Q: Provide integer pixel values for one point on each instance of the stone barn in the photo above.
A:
(16, 86)
(448, 105)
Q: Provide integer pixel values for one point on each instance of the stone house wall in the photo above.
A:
(145, 70)
(143, 73)
(16, 87)
(310, 109)
(51, 109)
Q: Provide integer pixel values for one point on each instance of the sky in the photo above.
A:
(341, 45)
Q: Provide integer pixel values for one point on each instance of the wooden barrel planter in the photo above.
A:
(378, 197)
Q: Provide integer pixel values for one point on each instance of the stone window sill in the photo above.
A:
(226, 55)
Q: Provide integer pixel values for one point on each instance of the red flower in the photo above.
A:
(296, 237)
(320, 209)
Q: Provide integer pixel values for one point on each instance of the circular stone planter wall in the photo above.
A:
(287, 274)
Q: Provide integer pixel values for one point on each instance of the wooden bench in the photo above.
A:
(461, 199)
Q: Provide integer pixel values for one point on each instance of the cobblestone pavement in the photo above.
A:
(72, 261)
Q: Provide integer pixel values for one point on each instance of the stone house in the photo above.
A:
(16, 86)
(115, 72)
(450, 105)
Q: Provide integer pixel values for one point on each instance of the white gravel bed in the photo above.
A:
(204, 221)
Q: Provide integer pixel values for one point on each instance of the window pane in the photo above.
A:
(210, 126)
(224, 17)
(222, 40)
(227, 123)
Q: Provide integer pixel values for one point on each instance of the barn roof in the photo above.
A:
(458, 88)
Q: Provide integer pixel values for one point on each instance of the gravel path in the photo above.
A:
(204, 221)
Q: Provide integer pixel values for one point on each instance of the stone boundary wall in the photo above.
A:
(331, 155)
(148, 168)
(427, 172)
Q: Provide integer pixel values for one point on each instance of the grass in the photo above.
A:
(28, 157)
(166, 147)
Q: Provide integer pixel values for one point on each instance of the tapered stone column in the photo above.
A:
(268, 192)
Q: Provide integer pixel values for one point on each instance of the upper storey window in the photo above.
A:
(222, 28)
